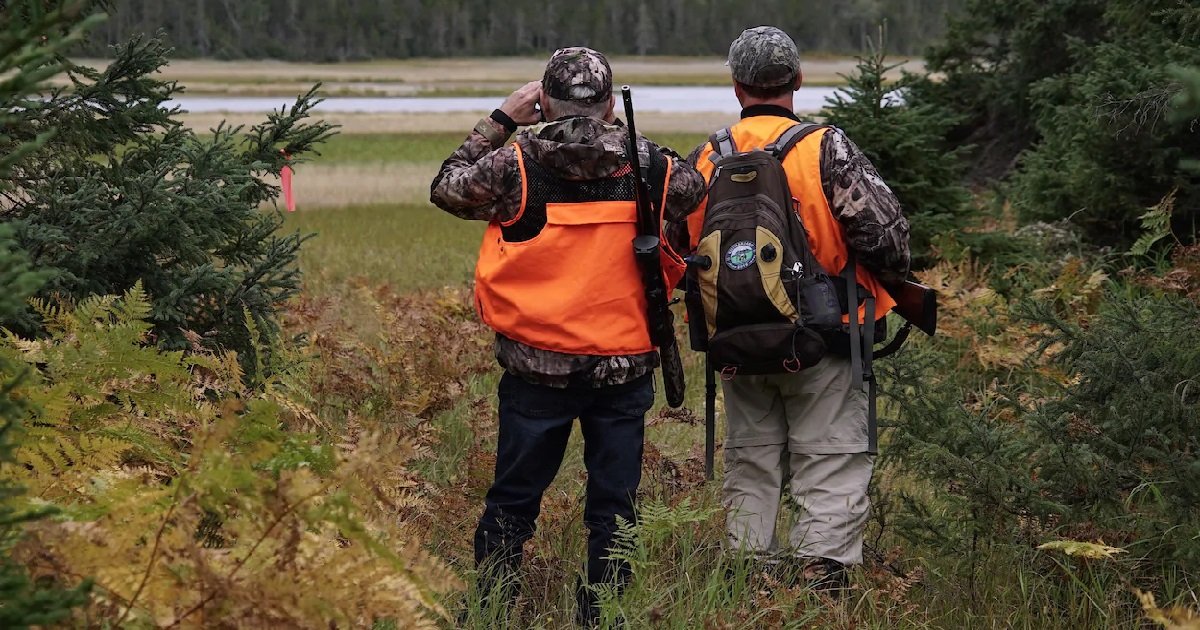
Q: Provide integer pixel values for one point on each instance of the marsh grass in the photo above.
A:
(432, 148)
(408, 247)
(342, 185)
(391, 147)
(649, 122)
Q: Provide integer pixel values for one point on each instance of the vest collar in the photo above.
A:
(769, 110)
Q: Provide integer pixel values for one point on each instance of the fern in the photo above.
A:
(1156, 225)
(186, 496)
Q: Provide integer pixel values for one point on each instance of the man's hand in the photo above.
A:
(520, 104)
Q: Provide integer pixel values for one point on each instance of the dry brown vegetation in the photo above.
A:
(362, 184)
(192, 500)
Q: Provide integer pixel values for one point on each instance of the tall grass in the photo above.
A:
(432, 148)
(408, 247)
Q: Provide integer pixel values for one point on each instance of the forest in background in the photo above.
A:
(343, 30)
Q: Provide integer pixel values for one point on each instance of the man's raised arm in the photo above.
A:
(480, 180)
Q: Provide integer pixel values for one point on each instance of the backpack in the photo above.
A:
(758, 301)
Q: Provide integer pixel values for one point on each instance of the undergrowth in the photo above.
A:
(194, 501)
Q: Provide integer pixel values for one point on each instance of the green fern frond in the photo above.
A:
(1156, 225)
(134, 305)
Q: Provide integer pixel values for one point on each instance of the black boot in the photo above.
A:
(827, 576)
(496, 587)
(587, 606)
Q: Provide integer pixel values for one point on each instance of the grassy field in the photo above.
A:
(433, 147)
(366, 199)
(456, 123)
(408, 246)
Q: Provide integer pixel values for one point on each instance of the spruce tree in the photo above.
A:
(1066, 102)
(28, 48)
(905, 143)
(124, 192)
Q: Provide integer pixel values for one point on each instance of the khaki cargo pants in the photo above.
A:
(807, 430)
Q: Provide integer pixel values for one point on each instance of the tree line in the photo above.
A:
(341, 30)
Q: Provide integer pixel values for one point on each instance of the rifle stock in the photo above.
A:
(917, 304)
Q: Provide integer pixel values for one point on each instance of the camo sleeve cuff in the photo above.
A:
(493, 131)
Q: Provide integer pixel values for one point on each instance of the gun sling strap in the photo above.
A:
(710, 417)
(861, 354)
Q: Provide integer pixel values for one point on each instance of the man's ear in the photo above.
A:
(799, 80)
(739, 93)
(611, 115)
(542, 104)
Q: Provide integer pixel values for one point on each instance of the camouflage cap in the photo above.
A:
(577, 74)
(764, 57)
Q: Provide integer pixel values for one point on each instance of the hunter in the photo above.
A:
(556, 279)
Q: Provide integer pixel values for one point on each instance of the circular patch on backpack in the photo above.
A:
(740, 255)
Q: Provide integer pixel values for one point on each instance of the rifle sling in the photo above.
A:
(894, 345)
(710, 416)
(869, 375)
(856, 371)
(861, 372)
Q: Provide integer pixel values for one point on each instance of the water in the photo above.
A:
(648, 98)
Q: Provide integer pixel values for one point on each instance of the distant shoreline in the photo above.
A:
(457, 76)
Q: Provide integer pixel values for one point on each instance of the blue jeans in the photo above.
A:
(535, 423)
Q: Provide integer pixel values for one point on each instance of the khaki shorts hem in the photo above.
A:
(755, 441)
(817, 448)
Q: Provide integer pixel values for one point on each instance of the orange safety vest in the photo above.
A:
(803, 166)
(561, 274)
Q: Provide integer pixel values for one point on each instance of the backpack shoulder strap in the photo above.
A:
(790, 138)
(722, 144)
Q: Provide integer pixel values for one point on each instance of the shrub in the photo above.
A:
(122, 193)
(905, 143)
(27, 57)
(1068, 100)
(1071, 414)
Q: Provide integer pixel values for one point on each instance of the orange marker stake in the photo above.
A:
(285, 180)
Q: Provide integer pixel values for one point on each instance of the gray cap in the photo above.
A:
(764, 57)
(577, 74)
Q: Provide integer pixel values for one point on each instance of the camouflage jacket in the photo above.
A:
(481, 180)
(876, 229)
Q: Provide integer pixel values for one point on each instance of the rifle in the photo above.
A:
(646, 249)
(917, 304)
